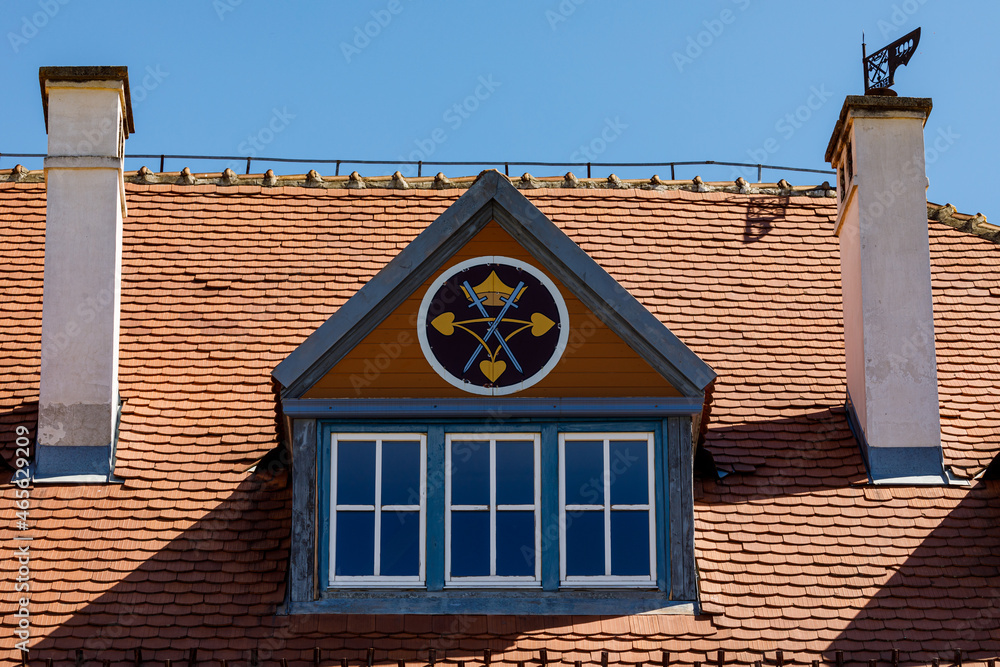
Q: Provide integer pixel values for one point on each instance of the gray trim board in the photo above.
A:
(301, 568)
(602, 294)
(493, 197)
(533, 603)
(680, 469)
(554, 408)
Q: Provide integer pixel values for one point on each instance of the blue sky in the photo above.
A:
(555, 80)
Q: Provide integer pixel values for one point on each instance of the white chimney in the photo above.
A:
(877, 148)
(88, 115)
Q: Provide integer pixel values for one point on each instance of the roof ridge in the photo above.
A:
(977, 225)
(396, 181)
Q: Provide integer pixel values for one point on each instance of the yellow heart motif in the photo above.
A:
(445, 323)
(540, 324)
(492, 369)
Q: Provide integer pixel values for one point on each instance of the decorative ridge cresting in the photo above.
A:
(396, 181)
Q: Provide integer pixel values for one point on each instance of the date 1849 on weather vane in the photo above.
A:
(881, 65)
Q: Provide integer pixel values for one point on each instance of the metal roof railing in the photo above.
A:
(420, 164)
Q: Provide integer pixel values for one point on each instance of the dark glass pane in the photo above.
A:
(584, 543)
(356, 473)
(516, 544)
(400, 473)
(515, 472)
(400, 551)
(470, 544)
(629, 472)
(630, 543)
(470, 472)
(355, 544)
(584, 472)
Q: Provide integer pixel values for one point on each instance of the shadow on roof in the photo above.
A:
(945, 596)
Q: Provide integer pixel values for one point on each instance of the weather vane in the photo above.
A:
(881, 65)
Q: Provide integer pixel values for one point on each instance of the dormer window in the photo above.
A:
(492, 425)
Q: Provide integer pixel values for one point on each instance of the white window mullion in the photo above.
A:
(562, 507)
(607, 507)
(378, 505)
(447, 507)
(493, 508)
(651, 500)
(332, 556)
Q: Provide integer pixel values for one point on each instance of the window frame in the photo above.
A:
(493, 580)
(608, 580)
(376, 580)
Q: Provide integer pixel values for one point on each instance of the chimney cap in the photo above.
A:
(877, 104)
(87, 73)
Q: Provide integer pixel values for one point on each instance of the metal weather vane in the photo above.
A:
(881, 65)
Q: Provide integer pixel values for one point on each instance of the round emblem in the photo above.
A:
(493, 325)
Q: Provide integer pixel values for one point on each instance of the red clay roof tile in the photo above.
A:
(794, 552)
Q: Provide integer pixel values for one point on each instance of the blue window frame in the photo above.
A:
(377, 509)
(492, 510)
(492, 506)
(606, 509)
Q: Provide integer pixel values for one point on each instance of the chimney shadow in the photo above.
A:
(761, 213)
(24, 416)
(787, 456)
(945, 597)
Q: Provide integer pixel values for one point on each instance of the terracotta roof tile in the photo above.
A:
(794, 552)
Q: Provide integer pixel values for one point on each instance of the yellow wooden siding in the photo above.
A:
(389, 363)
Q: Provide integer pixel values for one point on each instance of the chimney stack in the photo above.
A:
(88, 116)
(877, 148)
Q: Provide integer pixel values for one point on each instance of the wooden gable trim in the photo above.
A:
(602, 294)
(492, 197)
(359, 316)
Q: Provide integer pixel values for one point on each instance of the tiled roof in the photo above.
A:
(795, 552)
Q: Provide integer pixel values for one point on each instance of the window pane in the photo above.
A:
(356, 473)
(584, 543)
(629, 472)
(470, 472)
(584, 472)
(630, 543)
(516, 544)
(515, 472)
(400, 473)
(470, 544)
(355, 543)
(400, 551)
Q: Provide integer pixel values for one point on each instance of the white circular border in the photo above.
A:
(468, 386)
